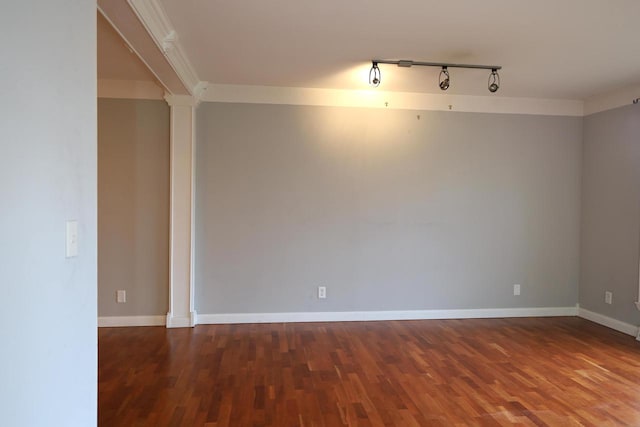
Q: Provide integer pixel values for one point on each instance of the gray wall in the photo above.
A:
(133, 206)
(48, 340)
(388, 210)
(611, 213)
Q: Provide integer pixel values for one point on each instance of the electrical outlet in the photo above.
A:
(516, 289)
(608, 297)
(322, 292)
(121, 296)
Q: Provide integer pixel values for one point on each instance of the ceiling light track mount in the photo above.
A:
(408, 63)
(444, 81)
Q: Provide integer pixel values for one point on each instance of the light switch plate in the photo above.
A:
(72, 239)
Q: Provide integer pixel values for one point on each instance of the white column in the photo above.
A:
(181, 307)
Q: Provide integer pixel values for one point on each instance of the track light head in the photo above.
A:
(443, 80)
(375, 77)
(494, 81)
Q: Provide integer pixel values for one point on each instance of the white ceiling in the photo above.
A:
(566, 49)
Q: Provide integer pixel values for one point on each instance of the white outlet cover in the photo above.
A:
(516, 289)
(322, 292)
(121, 296)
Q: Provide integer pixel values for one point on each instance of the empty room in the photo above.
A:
(365, 213)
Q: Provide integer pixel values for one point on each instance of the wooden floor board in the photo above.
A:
(485, 372)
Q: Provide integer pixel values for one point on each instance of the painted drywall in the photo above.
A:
(133, 206)
(611, 213)
(389, 209)
(48, 355)
(129, 89)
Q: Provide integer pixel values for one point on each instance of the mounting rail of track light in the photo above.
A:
(444, 80)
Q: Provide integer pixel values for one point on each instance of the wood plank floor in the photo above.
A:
(490, 372)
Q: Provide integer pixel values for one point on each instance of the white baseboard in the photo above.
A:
(609, 322)
(184, 321)
(351, 316)
(116, 321)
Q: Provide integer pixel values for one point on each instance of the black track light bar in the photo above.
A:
(408, 63)
(444, 79)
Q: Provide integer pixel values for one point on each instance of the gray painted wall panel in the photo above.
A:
(133, 206)
(388, 210)
(48, 350)
(611, 212)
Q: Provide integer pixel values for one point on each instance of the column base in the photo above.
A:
(183, 321)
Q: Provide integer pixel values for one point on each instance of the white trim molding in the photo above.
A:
(131, 46)
(119, 321)
(188, 321)
(609, 322)
(358, 316)
(192, 249)
(611, 100)
(181, 302)
(637, 303)
(390, 100)
(155, 19)
(181, 100)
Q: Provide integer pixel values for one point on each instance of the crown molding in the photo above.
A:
(390, 100)
(155, 20)
(611, 100)
(200, 89)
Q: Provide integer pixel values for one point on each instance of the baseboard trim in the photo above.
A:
(185, 321)
(120, 321)
(359, 316)
(609, 322)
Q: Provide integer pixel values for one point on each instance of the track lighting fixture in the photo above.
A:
(374, 75)
(494, 81)
(444, 79)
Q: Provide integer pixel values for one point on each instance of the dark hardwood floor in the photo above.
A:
(491, 372)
